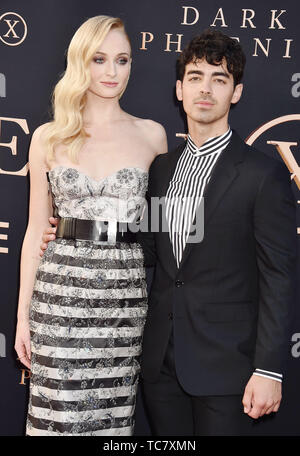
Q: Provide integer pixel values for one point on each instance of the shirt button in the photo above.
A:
(178, 283)
(170, 316)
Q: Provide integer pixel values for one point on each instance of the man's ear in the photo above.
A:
(237, 93)
(179, 90)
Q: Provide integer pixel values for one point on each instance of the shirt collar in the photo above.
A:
(211, 145)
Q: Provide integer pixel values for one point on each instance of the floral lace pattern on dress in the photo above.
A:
(119, 196)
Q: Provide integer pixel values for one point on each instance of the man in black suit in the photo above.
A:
(216, 331)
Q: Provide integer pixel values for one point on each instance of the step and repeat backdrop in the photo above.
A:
(34, 36)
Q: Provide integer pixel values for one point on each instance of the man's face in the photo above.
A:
(207, 92)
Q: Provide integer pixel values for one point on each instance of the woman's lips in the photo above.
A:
(109, 84)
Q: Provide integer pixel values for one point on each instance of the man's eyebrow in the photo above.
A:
(195, 72)
(221, 73)
(215, 73)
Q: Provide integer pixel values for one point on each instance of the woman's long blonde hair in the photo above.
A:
(69, 95)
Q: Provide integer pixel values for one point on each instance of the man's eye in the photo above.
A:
(221, 81)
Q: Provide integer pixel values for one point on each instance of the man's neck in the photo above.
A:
(201, 133)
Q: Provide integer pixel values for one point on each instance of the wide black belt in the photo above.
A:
(94, 230)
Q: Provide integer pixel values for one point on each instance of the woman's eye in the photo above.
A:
(123, 60)
(99, 60)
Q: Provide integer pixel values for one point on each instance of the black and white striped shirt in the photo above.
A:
(186, 188)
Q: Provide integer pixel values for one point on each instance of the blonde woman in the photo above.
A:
(82, 307)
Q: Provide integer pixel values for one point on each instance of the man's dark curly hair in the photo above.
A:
(214, 46)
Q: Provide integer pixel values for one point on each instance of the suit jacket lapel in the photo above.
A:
(224, 173)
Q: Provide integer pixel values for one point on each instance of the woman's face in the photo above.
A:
(110, 66)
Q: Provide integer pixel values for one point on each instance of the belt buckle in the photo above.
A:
(97, 230)
(100, 229)
(112, 231)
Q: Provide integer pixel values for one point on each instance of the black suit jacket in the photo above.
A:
(229, 302)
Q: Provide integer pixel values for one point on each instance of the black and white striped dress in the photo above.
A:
(87, 314)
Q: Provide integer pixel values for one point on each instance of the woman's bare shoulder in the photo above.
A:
(155, 133)
(150, 125)
(38, 134)
(38, 149)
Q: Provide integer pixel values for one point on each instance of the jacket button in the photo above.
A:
(170, 316)
(178, 283)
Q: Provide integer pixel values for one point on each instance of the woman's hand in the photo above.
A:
(22, 343)
(49, 235)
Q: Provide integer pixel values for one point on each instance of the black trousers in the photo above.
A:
(173, 412)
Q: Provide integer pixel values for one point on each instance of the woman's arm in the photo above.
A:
(39, 211)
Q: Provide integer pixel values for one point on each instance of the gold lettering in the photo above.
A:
(219, 17)
(13, 144)
(186, 8)
(4, 236)
(11, 32)
(24, 376)
(265, 50)
(265, 127)
(169, 42)
(275, 19)
(11, 28)
(145, 40)
(287, 49)
(284, 149)
(248, 19)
